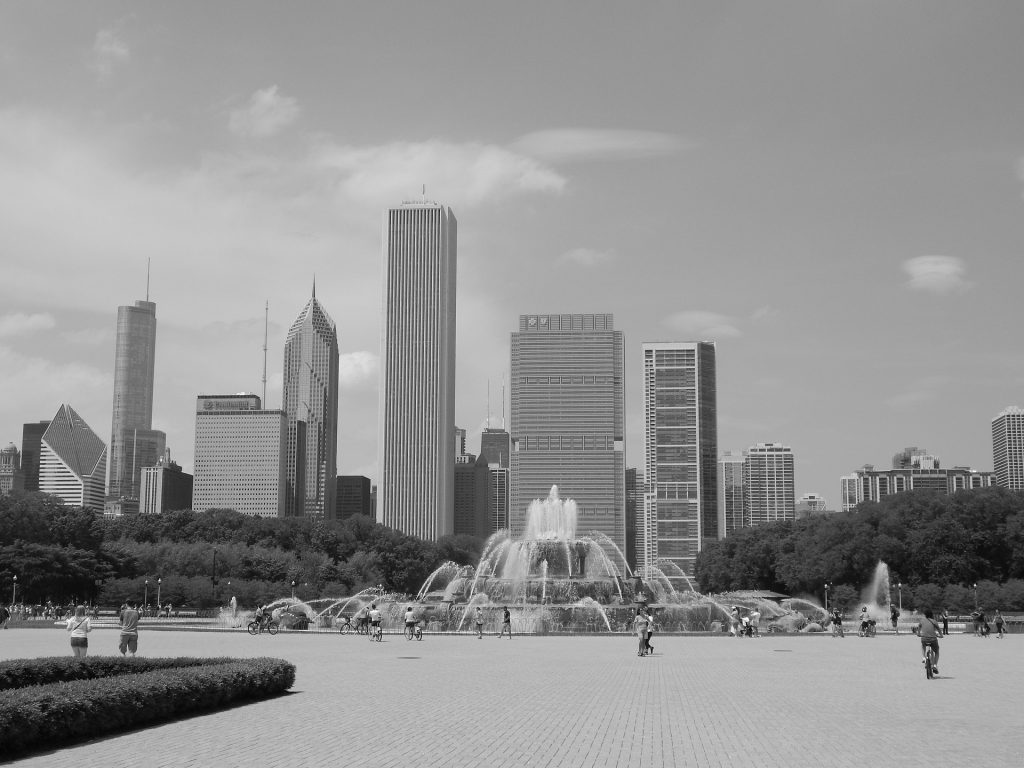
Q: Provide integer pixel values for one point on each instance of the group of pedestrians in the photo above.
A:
(744, 624)
(643, 625)
(79, 625)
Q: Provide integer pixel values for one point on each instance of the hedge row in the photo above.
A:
(40, 715)
(18, 673)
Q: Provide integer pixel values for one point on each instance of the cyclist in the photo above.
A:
(261, 616)
(837, 622)
(374, 620)
(410, 623)
(928, 630)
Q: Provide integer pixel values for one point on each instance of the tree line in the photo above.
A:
(63, 554)
(945, 551)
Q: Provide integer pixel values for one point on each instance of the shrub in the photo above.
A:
(18, 673)
(62, 711)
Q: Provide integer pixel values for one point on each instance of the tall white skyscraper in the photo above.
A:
(309, 399)
(768, 481)
(1008, 448)
(681, 453)
(417, 391)
(567, 420)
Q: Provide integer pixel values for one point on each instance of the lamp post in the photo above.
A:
(293, 589)
(213, 577)
(974, 586)
(899, 592)
(145, 600)
(159, 582)
(826, 597)
(14, 589)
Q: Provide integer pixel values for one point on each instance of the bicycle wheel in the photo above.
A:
(928, 663)
(345, 629)
(253, 628)
(273, 627)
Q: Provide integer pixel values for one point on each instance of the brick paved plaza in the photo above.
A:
(581, 701)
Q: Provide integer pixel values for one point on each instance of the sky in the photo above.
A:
(831, 192)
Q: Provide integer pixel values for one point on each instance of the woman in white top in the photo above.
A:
(79, 627)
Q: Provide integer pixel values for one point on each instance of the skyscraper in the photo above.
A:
(1008, 448)
(310, 402)
(417, 392)
(567, 420)
(769, 492)
(681, 449)
(731, 514)
(10, 469)
(239, 456)
(72, 461)
(495, 446)
(923, 473)
(355, 496)
(31, 440)
(165, 488)
(134, 444)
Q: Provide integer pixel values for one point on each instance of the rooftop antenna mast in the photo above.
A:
(488, 404)
(147, 278)
(266, 322)
(503, 401)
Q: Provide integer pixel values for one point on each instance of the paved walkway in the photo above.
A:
(582, 701)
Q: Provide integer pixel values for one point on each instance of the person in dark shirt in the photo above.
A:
(928, 630)
(506, 623)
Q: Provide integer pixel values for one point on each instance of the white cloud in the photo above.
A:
(267, 113)
(699, 325)
(464, 174)
(584, 257)
(34, 389)
(571, 144)
(108, 51)
(18, 323)
(936, 274)
(88, 337)
(357, 369)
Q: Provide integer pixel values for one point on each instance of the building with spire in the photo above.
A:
(417, 384)
(310, 402)
(134, 444)
(72, 461)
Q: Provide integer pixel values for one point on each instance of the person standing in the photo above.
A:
(5, 616)
(650, 630)
(755, 622)
(640, 628)
(894, 617)
(999, 622)
(129, 630)
(945, 622)
(374, 622)
(79, 626)
(410, 623)
(734, 621)
(506, 623)
(479, 623)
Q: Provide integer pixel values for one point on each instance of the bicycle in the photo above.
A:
(837, 630)
(376, 633)
(929, 662)
(272, 627)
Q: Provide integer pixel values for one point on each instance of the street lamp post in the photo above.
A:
(975, 587)
(159, 582)
(213, 578)
(826, 597)
(293, 589)
(14, 589)
(145, 600)
(899, 592)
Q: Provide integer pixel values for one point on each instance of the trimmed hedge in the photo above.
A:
(18, 673)
(58, 712)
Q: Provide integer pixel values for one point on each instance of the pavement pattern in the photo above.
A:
(777, 700)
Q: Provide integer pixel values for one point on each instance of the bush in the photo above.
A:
(19, 673)
(115, 697)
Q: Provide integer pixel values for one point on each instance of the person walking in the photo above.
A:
(734, 621)
(640, 628)
(894, 617)
(129, 630)
(945, 622)
(374, 622)
(650, 630)
(1000, 622)
(506, 623)
(479, 623)
(79, 626)
(755, 622)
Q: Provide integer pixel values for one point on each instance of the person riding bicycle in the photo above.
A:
(865, 620)
(410, 623)
(928, 630)
(374, 620)
(261, 616)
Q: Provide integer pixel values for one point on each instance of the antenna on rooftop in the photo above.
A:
(147, 278)
(502, 401)
(266, 322)
(488, 404)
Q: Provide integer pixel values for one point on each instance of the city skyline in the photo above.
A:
(846, 228)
